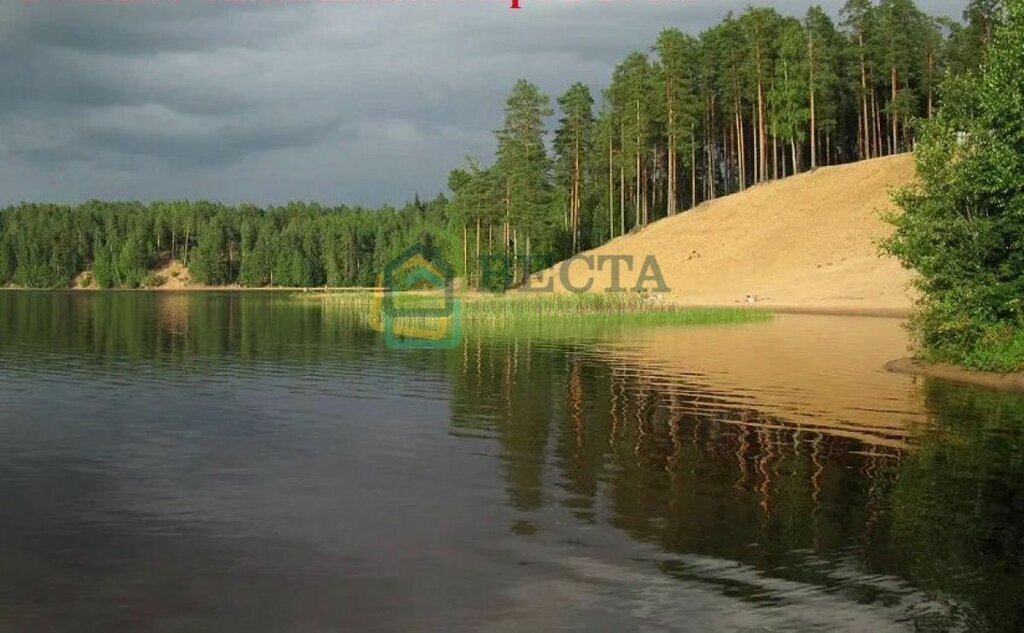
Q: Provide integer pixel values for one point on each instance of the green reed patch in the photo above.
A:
(520, 309)
(610, 307)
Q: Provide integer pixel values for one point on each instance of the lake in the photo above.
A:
(245, 462)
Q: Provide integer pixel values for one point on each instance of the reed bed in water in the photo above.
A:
(522, 308)
(616, 307)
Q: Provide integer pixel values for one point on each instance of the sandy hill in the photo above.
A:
(809, 241)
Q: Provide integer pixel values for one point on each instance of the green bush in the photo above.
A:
(153, 280)
(962, 226)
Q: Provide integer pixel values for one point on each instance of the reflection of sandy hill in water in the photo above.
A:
(807, 241)
(174, 311)
(818, 372)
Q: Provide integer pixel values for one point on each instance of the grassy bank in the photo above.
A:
(994, 348)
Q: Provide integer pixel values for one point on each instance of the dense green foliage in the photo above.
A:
(955, 504)
(756, 97)
(963, 225)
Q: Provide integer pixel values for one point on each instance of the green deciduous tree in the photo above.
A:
(962, 226)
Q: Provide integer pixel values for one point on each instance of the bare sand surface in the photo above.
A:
(175, 276)
(805, 243)
(944, 371)
(171, 276)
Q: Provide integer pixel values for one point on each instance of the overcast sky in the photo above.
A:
(358, 101)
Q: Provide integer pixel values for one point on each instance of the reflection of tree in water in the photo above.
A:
(666, 470)
(495, 386)
(958, 503)
(792, 502)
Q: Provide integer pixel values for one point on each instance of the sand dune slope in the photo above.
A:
(808, 241)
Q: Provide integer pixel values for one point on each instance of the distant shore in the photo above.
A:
(197, 289)
(824, 309)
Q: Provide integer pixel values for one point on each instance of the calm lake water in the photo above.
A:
(232, 462)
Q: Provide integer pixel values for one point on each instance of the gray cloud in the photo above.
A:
(360, 102)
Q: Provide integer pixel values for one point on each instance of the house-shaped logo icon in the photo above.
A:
(416, 306)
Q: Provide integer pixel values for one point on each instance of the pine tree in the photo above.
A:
(573, 141)
(523, 167)
(630, 94)
(678, 55)
(725, 44)
(859, 20)
(132, 262)
(822, 75)
(760, 27)
(209, 260)
(605, 143)
(901, 30)
(473, 205)
(789, 93)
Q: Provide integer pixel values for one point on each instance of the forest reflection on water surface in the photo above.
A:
(246, 462)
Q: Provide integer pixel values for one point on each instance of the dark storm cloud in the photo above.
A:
(355, 101)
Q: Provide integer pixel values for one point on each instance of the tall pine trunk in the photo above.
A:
(775, 155)
(576, 195)
(611, 190)
(762, 126)
(740, 131)
(740, 149)
(638, 193)
(622, 199)
(755, 137)
(864, 93)
(814, 127)
(671, 189)
(693, 169)
(892, 116)
(876, 121)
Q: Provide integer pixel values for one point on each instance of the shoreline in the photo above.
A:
(293, 289)
(883, 312)
(888, 312)
(944, 371)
